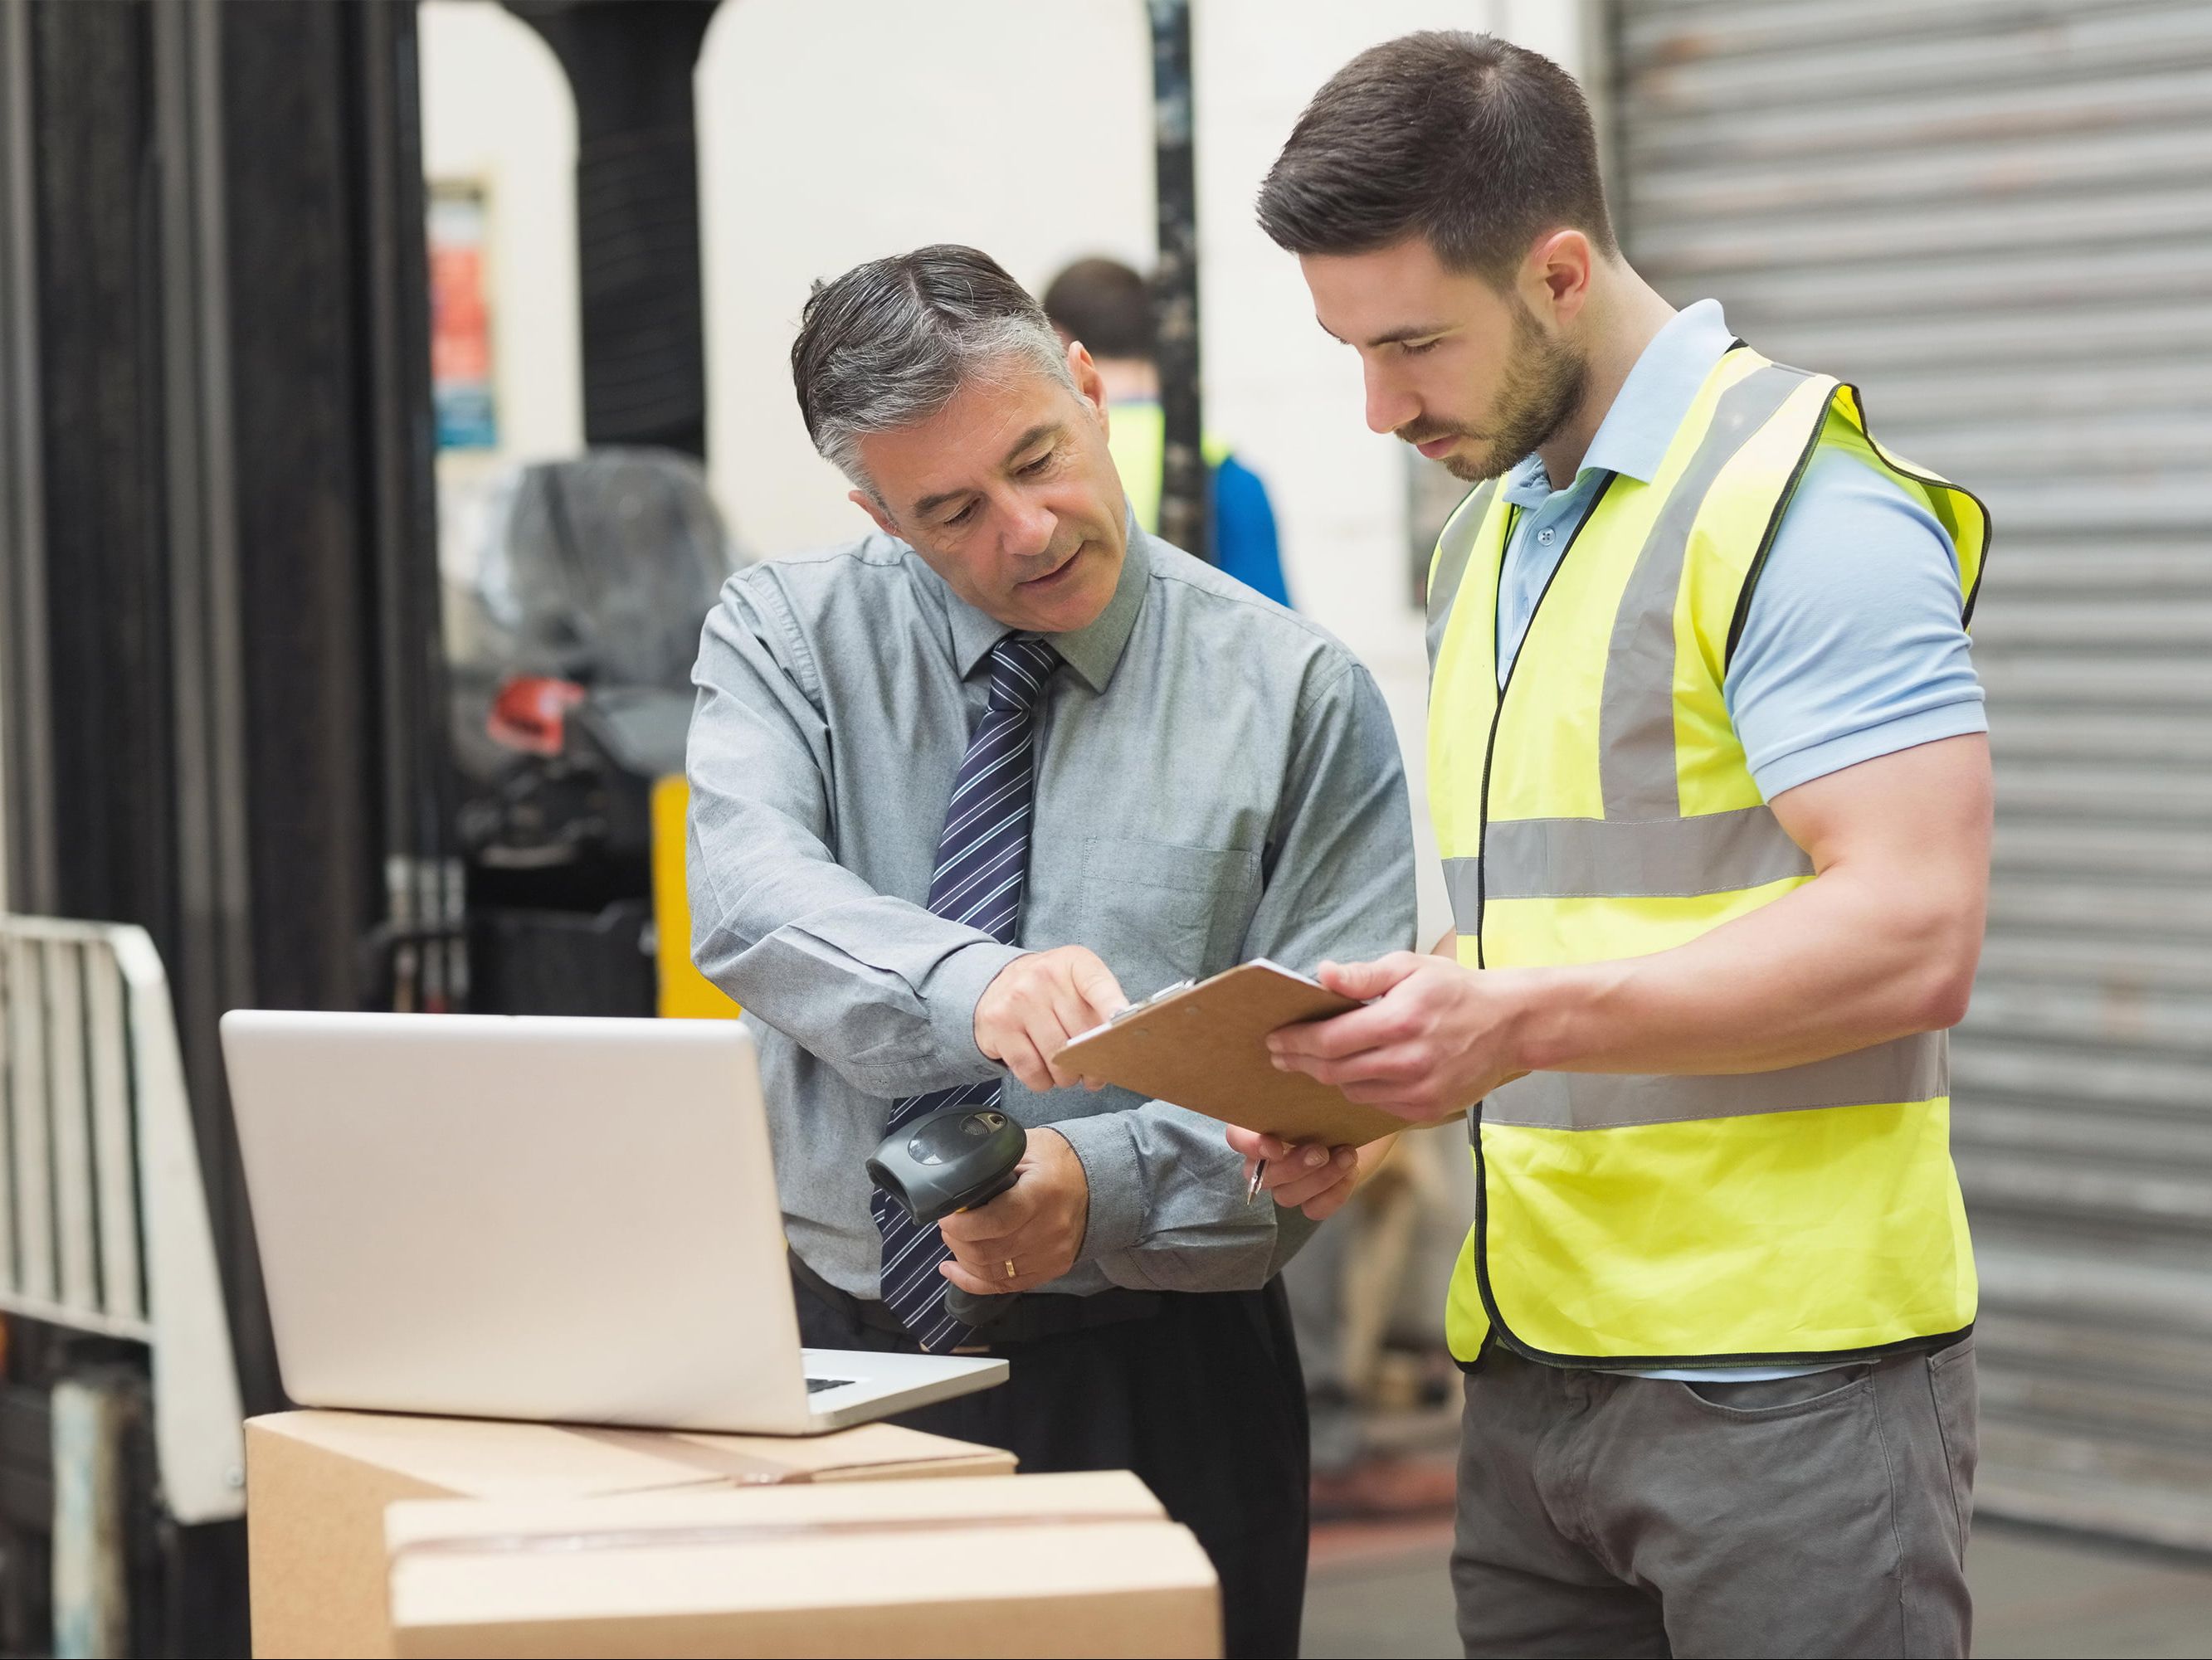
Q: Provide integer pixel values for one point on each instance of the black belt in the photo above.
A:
(1001, 1323)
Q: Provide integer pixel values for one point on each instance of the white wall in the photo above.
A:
(835, 133)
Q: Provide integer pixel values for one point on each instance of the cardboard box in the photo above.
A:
(317, 1484)
(1012, 1566)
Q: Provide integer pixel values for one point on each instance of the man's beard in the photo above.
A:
(1539, 392)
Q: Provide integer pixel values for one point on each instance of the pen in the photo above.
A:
(1252, 1188)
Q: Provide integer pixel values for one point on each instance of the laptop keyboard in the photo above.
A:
(816, 1385)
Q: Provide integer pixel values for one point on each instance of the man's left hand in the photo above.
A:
(1299, 1175)
(1435, 1038)
(1030, 1233)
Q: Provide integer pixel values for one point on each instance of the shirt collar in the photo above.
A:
(1651, 406)
(1092, 651)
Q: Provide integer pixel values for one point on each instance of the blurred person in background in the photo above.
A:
(1711, 780)
(954, 786)
(1102, 305)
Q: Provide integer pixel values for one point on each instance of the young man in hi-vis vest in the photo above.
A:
(1709, 776)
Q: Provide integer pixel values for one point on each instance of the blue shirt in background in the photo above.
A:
(1244, 539)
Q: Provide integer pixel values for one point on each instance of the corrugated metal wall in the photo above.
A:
(1996, 216)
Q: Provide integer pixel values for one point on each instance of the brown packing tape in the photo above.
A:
(738, 1533)
(717, 1460)
(748, 1470)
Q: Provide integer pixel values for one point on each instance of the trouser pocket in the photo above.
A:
(1769, 1395)
(1952, 1381)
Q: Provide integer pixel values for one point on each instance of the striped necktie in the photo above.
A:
(983, 862)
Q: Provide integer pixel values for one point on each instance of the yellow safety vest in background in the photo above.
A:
(1601, 807)
(1136, 436)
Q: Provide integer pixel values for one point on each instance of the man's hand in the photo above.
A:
(1037, 1003)
(1300, 1175)
(1436, 1038)
(1030, 1233)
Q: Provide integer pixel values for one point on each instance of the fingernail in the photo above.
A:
(1315, 1158)
(1281, 1065)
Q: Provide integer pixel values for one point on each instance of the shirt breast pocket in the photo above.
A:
(1159, 911)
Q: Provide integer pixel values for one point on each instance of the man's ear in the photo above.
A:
(1556, 277)
(869, 505)
(1088, 380)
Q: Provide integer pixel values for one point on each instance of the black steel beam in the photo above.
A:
(1183, 493)
(105, 792)
(28, 878)
(630, 64)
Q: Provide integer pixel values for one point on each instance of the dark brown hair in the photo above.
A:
(1102, 303)
(1472, 142)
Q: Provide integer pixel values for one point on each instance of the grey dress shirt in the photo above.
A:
(1216, 779)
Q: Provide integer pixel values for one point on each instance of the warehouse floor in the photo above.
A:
(1379, 1590)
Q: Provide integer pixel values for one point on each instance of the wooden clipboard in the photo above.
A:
(1204, 1045)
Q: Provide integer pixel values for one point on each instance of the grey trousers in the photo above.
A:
(1825, 1515)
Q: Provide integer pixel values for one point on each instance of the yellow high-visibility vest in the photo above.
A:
(1601, 806)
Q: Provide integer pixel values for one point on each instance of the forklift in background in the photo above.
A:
(570, 646)
(572, 641)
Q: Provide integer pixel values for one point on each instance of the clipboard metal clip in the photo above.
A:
(1144, 1003)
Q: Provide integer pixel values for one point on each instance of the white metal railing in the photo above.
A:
(103, 1215)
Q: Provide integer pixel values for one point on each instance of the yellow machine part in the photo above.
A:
(685, 993)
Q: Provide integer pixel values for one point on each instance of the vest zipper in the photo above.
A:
(1499, 1331)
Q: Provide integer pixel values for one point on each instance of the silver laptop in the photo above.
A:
(566, 1220)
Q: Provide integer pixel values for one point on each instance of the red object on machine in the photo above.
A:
(529, 714)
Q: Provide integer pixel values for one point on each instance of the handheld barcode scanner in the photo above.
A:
(952, 1160)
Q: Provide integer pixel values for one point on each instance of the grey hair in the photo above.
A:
(892, 342)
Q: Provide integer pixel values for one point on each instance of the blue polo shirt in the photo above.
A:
(1853, 647)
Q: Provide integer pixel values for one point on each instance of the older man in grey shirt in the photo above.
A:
(1178, 775)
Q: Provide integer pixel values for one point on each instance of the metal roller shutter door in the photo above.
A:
(1996, 216)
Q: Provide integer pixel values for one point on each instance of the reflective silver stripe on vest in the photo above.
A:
(1908, 1069)
(1624, 858)
(1452, 553)
(1463, 886)
(1636, 719)
(1637, 859)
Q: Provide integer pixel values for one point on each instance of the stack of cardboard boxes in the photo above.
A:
(375, 1534)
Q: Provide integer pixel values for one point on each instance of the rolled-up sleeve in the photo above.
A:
(880, 989)
(1167, 1192)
